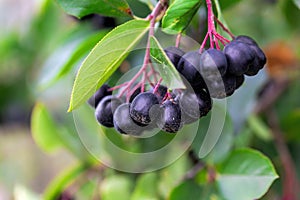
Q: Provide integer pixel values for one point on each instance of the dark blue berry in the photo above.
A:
(160, 92)
(194, 105)
(99, 95)
(213, 63)
(239, 57)
(143, 108)
(188, 66)
(174, 54)
(105, 110)
(123, 122)
(222, 87)
(170, 118)
(239, 81)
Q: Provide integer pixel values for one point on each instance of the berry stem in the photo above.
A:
(158, 10)
(212, 34)
(224, 28)
(211, 23)
(178, 39)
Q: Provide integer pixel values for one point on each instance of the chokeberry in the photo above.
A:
(123, 122)
(260, 58)
(222, 87)
(189, 65)
(174, 54)
(194, 105)
(160, 92)
(136, 92)
(239, 57)
(213, 63)
(102, 92)
(245, 39)
(239, 81)
(105, 110)
(170, 118)
(143, 107)
(258, 62)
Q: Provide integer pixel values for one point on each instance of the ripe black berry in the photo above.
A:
(258, 62)
(239, 57)
(213, 63)
(105, 110)
(194, 105)
(222, 87)
(123, 122)
(170, 118)
(174, 54)
(245, 39)
(260, 58)
(99, 95)
(188, 66)
(135, 93)
(239, 81)
(143, 107)
(160, 92)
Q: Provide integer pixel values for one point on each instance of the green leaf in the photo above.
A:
(224, 144)
(166, 68)
(297, 3)
(49, 136)
(146, 187)
(105, 58)
(43, 128)
(74, 52)
(173, 174)
(245, 175)
(259, 128)
(63, 180)
(228, 3)
(113, 8)
(188, 190)
(116, 187)
(179, 15)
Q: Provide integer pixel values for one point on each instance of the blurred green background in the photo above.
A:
(37, 37)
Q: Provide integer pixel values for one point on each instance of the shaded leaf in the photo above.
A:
(166, 68)
(297, 3)
(113, 8)
(259, 127)
(63, 180)
(74, 52)
(115, 188)
(43, 128)
(188, 190)
(179, 15)
(246, 174)
(228, 3)
(105, 58)
(146, 187)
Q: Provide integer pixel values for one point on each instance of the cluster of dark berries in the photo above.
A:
(211, 74)
(219, 72)
(155, 108)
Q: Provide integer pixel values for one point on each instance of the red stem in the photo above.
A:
(152, 17)
(178, 40)
(223, 27)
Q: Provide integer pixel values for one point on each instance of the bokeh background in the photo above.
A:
(37, 36)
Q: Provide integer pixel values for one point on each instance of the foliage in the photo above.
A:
(214, 165)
